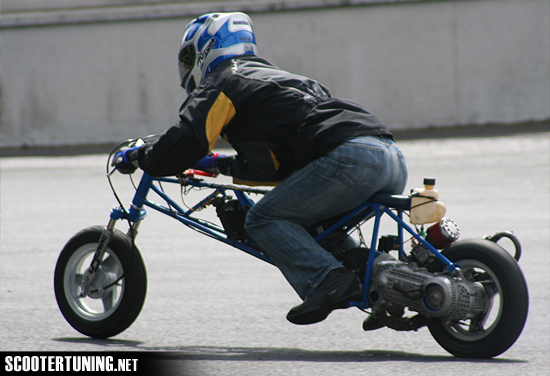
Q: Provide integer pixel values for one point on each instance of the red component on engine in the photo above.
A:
(443, 233)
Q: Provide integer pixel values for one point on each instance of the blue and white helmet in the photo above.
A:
(211, 39)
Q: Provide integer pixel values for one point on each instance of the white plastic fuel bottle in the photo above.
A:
(425, 207)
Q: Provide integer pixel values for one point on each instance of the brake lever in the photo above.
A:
(112, 171)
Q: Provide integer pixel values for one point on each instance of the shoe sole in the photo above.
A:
(319, 314)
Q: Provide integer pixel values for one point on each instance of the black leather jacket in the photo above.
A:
(277, 122)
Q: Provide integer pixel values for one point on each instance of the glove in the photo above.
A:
(126, 161)
(209, 163)
(224, 164)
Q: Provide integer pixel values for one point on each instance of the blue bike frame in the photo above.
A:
(376, 207)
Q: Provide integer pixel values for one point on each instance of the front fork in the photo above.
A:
(134, 215)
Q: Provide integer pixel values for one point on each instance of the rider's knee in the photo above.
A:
(250, 220)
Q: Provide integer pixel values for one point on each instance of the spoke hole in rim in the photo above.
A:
(469, 330)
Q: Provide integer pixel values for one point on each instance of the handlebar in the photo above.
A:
(130, 143)
(191, 173)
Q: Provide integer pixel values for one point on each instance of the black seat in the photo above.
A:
(401, 202)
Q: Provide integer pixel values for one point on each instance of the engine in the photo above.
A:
(396, 284)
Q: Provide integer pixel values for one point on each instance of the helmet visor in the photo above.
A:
(186, 60)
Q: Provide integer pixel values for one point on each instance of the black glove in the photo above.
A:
(126, 160)
(224, 164)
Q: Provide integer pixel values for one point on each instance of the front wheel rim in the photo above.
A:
(99, 302)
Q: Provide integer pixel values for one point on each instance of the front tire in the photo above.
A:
(117, 294)
(497, 328)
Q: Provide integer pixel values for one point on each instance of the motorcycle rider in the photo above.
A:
(324, 155)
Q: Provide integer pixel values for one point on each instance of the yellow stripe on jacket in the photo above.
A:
(220, 114)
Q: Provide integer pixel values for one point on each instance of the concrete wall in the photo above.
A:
(107, 74)
(33, 5)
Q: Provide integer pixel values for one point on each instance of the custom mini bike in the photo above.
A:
(471, 294)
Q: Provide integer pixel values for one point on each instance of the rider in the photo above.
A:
(324, 155)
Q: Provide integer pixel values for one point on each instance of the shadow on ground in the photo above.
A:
(247, 354)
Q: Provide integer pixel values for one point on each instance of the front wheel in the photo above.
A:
(118, 292)
(496, 329)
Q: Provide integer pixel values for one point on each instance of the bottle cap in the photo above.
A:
(429, 181)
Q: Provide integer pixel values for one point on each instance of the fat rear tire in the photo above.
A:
(506, 289)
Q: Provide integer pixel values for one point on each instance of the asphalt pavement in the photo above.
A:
(216, 311)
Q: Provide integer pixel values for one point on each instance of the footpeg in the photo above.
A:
(403, 323)
(372, 323)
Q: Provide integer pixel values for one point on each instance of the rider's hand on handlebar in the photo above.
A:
(125, 161)
(209, 163)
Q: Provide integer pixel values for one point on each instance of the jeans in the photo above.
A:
(330, 185)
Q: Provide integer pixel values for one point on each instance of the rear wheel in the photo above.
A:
(496, 329)
(114, 300)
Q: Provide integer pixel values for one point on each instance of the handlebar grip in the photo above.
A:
(192, 172)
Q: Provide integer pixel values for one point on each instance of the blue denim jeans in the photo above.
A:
(335, 183)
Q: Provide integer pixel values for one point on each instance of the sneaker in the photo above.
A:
(338, 288)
